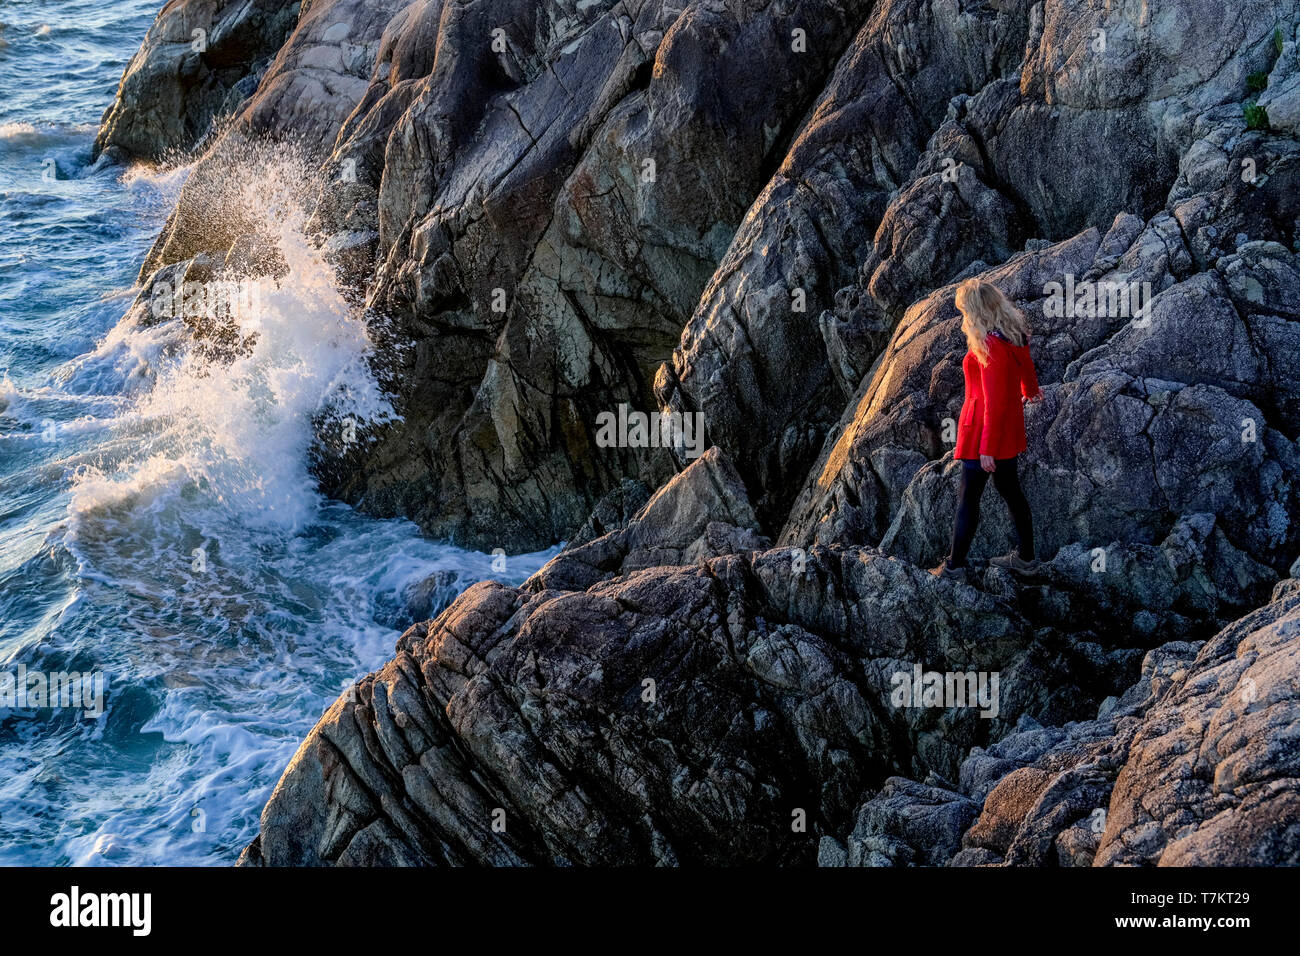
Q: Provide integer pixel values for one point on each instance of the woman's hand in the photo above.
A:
(1032, 399)
(986, 462)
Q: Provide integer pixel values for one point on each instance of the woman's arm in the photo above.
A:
(1029, 378)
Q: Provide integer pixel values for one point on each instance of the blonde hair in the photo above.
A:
(985, 309)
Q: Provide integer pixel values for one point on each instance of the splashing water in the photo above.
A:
(242, 429)
(159, 524)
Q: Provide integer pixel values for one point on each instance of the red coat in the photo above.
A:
(992, 417)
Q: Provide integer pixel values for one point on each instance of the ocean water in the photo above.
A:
(159, 528)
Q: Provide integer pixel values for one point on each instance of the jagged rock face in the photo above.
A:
(1213, 773)
(1194, 765)
(1068, 137)
(701, 714)
(674, 714)
(554, 209)
(754, 357)
(545, 199)
(1138, 431)
(554, 213)
(535, 195)
(199, 61)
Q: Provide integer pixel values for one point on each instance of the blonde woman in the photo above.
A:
(1000, 380)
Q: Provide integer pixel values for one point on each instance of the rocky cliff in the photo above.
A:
(756, 213)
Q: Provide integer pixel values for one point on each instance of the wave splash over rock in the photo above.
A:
(233, 366)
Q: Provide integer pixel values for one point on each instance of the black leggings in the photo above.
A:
(1007, 482)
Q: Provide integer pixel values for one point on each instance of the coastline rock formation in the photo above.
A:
(197, 63)
(757, 213)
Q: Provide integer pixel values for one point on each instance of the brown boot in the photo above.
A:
(1014, 562)
(950, 573)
